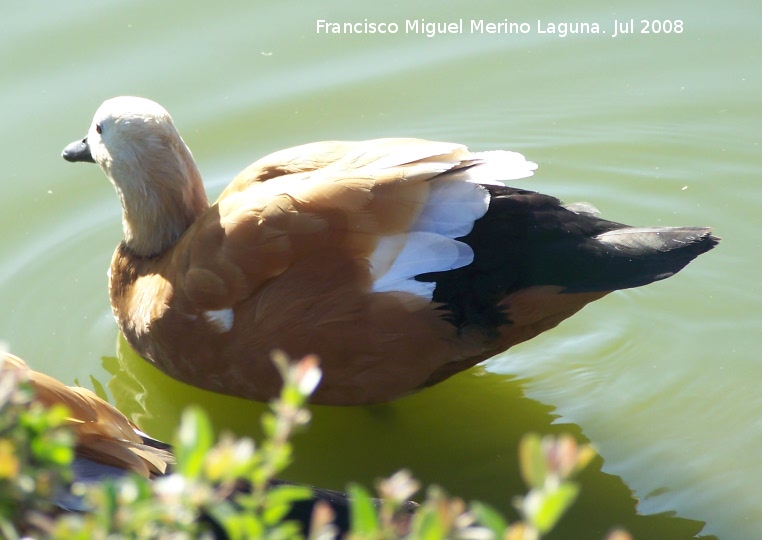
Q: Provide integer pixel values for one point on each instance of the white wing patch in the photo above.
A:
(452, 208)
(456, 200)
(416, 253)
(450, 212)
(221, 319)
(496, 167)
(424, 289)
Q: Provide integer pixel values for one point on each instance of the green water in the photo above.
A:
(651, 128)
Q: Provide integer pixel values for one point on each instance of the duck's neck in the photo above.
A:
(160, 206)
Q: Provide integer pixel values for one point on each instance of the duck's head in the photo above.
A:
(127, 133)
(136, 144)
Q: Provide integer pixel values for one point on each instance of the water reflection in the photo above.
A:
(462, 434)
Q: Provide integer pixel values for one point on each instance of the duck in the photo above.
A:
(107, 443)
(399, 261)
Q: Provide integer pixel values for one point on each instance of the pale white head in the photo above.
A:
(127, 131)
(136, 144)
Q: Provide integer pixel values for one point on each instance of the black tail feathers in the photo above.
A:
(634, 256)
(528, 239)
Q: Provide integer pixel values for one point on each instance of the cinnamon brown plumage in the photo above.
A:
(104, 436)
(398, 261)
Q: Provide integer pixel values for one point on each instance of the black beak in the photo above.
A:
(78, 151)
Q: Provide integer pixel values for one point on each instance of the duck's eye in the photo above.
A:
(98, 129)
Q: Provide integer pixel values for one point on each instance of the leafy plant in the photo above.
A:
(548, 465)
(226, 489)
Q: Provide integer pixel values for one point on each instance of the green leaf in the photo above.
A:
(109, 504)
(269, 424)
(363, 517)
(532, 461)
(488, 517)
(428, 525)
(553, 505)
(278, 455)
(194, 439)
(288, 494)
(280, 499)
(54, 447)
(98, 388)
(7, 530)
(235, 523)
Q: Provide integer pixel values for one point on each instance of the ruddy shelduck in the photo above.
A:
(399, 262)
(107, 442)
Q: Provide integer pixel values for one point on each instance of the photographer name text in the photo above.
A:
(507, 27)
